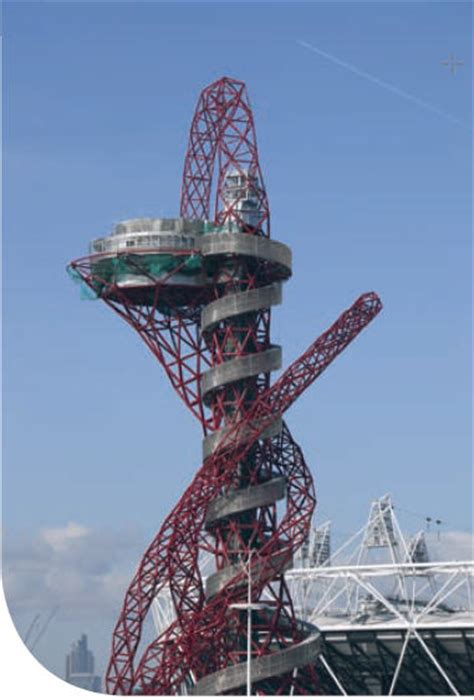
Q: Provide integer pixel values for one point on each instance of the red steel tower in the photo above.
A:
(199, 290)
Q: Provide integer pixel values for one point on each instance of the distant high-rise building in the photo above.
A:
(80, 667)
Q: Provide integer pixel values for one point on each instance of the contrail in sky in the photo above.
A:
(387, 86)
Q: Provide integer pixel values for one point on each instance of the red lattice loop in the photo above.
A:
(205, 314)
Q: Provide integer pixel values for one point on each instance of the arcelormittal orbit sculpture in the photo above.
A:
(199, 290)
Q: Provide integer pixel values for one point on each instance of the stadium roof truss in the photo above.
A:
(393, 622)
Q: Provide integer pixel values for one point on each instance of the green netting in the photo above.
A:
(113, 269)
(85, 291)
(116, 269)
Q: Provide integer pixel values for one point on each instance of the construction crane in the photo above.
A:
(32, 645)
(30, 629)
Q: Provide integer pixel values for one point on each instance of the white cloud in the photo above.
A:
(60, 538)
(84, 572)
(450, 546)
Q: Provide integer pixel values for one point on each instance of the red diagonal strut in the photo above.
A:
(298, 377)
(212, 337)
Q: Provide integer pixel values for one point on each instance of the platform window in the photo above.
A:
(167, 224)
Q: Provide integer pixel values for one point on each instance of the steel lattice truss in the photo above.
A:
(222, 129)
(400, 625)
(393, 622)
(214, 344)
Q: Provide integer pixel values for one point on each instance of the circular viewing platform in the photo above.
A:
(139, 253)
(173, 259)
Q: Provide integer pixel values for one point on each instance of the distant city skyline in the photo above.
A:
(80, 667)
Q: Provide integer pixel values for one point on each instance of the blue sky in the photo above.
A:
(371, 189)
